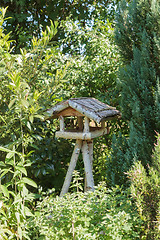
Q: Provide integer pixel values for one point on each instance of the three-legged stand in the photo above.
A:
(87, 152)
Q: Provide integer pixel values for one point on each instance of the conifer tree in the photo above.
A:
(138, 38)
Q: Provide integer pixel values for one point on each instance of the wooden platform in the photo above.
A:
(75, 134)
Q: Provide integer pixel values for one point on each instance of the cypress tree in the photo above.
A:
(138, 39)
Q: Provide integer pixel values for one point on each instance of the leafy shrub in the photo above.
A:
(145, 189)
(21, 86)
(29, 84)
(102, 214)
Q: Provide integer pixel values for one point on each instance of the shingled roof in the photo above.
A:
(89, 107)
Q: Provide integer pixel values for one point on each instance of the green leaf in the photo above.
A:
(25, 191)
(28, 211)
(4, 171)
(18, 81)
(2, 164)
(31, 118)
(3, 119)
(29, 154)
(34, 146)
(25, 103)
(3, 149)
(15, 174)
(25, 85)
(39, 116)
(5, 191)
(20, 232)
(21, 169)
(9, 161)
(37, 214)
(28, 125)
(28, 164)
(29, 182)
(10, 155)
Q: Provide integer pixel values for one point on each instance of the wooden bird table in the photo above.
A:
(84, 109)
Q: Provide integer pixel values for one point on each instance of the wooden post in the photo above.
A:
(86, 129)
(90, 148)
(103, 124)
(62, 124)
(80, 122)
(86, 124)
(71, 168)
(87, 166)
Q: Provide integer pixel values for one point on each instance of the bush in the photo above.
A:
(102, 214)
(145, 189)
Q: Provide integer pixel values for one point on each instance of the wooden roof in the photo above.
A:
(89, 107)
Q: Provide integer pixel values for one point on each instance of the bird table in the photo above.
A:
(89, 116)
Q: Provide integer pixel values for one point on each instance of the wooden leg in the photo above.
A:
(90, 148)
(71, 168)
(87, 166)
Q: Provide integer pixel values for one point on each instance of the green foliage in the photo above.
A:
(50, 158)
(133, 20)
(34, 80)
(145, 189)
(102, 214)
(15, 197)
(137, 34)
(93, 61)
(116, 166)
(157, 105)
(28, 19)
(76, 182)
(22, 82)
(28, 85)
